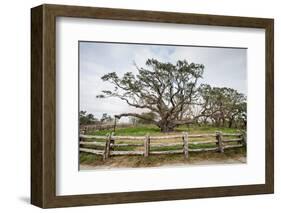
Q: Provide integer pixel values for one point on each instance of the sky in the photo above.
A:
(224, 67)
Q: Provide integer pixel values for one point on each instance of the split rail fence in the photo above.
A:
(221, 140)
(98, 127)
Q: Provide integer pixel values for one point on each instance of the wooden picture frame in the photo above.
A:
(43, 105)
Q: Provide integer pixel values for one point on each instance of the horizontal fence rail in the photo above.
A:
(102, 126)
(109, 142)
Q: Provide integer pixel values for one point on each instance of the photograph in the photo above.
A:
(158, 105)
(143, 105)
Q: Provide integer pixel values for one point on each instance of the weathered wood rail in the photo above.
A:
(110, 141)
(100, 126)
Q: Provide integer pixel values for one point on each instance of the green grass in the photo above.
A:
(142, 130)
(92, 147)
(199, 146)
(205, 129)
(180, 147)
(87, 158)
(166, 148)
(134, 131)
(122, 148)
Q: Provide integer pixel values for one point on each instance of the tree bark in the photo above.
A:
(165, 128)
(230, 123)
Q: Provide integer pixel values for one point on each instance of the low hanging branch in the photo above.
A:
(137, 116)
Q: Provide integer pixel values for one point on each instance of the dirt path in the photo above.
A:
(237, 160)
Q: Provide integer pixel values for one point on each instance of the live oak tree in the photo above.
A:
(222, 105)
(164, 89)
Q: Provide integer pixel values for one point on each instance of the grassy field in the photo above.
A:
(141, 130)
(229, 156)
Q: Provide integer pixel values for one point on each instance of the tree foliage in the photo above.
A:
(162, 88)
(106, 118)
(86, 119)
(222, 105)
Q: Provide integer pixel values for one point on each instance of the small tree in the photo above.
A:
(106, 118)
(85, 118)
(163, 88)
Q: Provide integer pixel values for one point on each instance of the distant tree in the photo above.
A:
(85, 118)
(222, 104)
(239, 117)
(133, 120)
(106, 118)
(82, 117)
(163, 88)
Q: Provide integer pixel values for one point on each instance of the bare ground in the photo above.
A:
(230, 161)
(237, 156)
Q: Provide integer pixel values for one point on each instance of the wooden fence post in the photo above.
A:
(114, 127)
(244, 138)
(112, 141)
(219, 143)
(146, 145)
(185, 144)
(107, 147)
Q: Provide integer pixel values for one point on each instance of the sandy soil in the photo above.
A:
(237, 160)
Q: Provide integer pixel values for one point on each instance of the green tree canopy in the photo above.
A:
(222, 104)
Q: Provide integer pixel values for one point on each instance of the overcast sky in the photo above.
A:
(224, 67)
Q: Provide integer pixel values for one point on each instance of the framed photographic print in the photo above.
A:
(136, 106)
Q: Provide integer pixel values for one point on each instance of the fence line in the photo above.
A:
(102, 126)
(109, 143)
